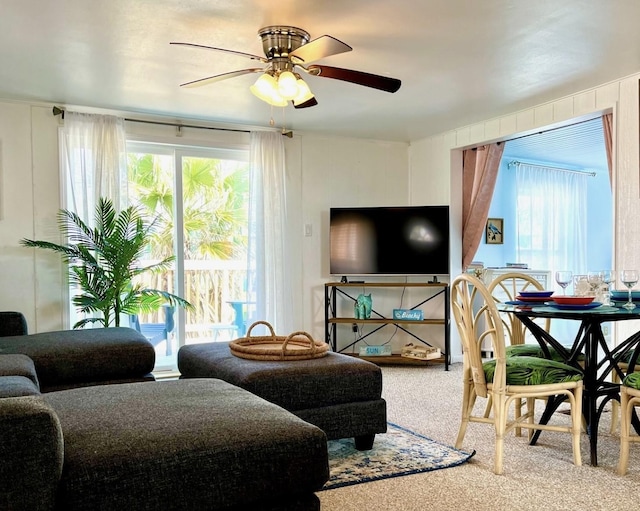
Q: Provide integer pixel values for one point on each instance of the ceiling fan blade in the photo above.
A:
(349, 75)
(233, 52)
(323, 46)
(307, 104)
(224, 76)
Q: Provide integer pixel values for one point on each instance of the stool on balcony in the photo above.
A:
(241, 310)
(217, 328)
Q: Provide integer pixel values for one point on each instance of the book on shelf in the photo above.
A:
(521, 266)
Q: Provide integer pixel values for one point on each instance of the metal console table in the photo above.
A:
(333, 290)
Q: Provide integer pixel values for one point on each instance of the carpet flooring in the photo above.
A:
(427, 400)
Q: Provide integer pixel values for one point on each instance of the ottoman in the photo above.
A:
(190, 445)
(338, 393)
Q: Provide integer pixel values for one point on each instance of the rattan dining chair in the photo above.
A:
(505, 380)
(507, 287)
(629, 399)
(615, 406)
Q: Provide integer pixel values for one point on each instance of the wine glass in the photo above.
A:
(629, 278)
(608, 277)
(563, 278)
(594, 278)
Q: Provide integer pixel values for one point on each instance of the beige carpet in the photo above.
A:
(427, 400)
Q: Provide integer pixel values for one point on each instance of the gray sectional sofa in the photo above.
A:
(198, 444)
(79, 358)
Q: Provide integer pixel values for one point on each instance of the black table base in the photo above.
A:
(597, 390)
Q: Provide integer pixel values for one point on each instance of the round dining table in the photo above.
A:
(589, 351)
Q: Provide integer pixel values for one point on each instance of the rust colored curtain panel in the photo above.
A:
(607, 129)
(479, 173)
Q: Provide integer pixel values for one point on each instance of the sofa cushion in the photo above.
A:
(18, 365)
(183, 445)
(16, 386)
(72, 357)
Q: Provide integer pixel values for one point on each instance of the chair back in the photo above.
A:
(507, 287)
(134, 322)
(169, 322)
(478, 320)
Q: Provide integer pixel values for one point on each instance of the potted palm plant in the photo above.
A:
(104, 263)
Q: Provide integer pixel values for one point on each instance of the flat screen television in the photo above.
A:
(407, 240)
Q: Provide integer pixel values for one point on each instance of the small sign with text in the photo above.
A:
(408, 314)
(375, 351)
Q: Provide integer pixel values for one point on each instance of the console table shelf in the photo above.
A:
(335, 290)
(400, 360)
(388, 321)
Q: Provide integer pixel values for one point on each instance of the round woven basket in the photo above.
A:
(295, 346)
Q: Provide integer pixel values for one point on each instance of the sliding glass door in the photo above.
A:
(198, 199)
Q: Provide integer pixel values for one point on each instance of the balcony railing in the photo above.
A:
(209, 285)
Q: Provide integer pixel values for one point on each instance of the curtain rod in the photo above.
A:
(516, 163)
(288, 134)
(541, 132)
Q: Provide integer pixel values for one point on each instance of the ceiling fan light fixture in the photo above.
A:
(266, 89)
(287, 49)
(287, 85)
(304, 93)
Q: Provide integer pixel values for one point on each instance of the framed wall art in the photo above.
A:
(494, 231)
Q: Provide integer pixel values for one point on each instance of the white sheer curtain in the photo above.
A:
(269, 283)
(93, 165)
(551, 208)
(94, 161)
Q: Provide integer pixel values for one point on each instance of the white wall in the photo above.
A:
(30, 282)
(443, 152)
(339, 172)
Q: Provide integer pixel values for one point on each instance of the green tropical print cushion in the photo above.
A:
(632, 380)
(627, 358)
(534, 350)
(533, 371)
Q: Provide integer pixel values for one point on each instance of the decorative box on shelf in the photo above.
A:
(420, 352)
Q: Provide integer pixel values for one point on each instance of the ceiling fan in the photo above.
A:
(289, 50)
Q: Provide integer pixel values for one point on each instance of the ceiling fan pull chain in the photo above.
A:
(284, 119)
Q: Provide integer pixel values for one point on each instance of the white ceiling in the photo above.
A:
(460, 61)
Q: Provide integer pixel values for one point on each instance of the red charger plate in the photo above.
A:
(573, 300)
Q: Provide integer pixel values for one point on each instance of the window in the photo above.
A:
(551, 208)
(199, 200)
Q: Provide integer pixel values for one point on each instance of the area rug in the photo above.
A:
(398, 452)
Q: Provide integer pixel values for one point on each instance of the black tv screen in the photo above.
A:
(408, 240)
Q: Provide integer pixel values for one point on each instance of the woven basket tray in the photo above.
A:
(296, 346)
